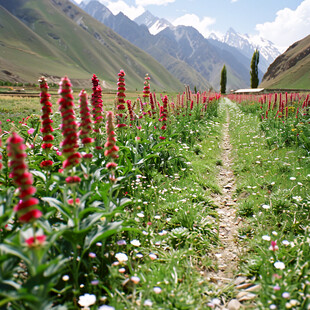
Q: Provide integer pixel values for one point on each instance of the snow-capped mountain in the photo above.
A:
(96, 9)
(154, 24)
(247, 44)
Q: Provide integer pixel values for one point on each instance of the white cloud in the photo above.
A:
(120, 6)
(233, 1)
(155, 2)
(202, 25)
(288, 27)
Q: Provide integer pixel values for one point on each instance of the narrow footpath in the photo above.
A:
(226, 279)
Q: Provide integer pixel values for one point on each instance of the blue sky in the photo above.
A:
(281, 21)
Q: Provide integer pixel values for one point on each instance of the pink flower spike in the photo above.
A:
(273, 246)
(30, 131)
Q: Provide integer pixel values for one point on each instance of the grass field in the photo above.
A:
(152, 239)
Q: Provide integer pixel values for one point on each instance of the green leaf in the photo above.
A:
(144, 159)
(75, 237)
(9, 283)
(101, 233)
(15, 252)
(55, 266)
(90, 220)
(6, 300)
(39, 174)
(53, 202)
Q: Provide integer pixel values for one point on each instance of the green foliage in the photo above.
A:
(223, 80)
(254, 69)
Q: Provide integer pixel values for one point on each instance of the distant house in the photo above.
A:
(249, 91)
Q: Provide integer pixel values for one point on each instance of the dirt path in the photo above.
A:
(227, 256)
(226, 278)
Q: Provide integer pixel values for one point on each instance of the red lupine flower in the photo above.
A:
(71, 201)
(35, 241)
(46, 164)
(120, 100)
(25, 209)
(25, 204)
(273, 246)
(164, 115)
(111, 165)
(47, 128)
(130, 110)
(73, 179)
(30, 216)
(0, 146)
(146, 89)
(69, 125)
(86, 123)
(111, 148)
(88, 156)
(96, 102)
(164, 109)
(152, 103)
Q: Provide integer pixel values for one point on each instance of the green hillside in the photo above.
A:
(56, 38)
(291, 69)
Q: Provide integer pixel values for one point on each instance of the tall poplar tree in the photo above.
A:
(223, 80)
(254, 69)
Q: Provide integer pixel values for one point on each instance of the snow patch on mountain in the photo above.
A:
(153, 23)
(247, 44)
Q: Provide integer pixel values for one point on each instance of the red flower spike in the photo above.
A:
(46, 164)
(1, 165)
(35, 241)
(146, 89)
(86, 123)
(26, 208)
(73, 179)
(47, 129)
(97, 104)
(164, 115)
(111, 148)
(120, 101)
(69, 125)
(130, 110)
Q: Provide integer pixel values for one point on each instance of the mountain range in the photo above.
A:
(56, 38)
(182, 50)
(247, 44)
(288, 70)
(242, 42)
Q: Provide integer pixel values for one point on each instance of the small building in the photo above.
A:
(249, 91)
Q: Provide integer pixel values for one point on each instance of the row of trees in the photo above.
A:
(253, 73)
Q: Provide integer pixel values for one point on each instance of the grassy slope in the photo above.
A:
(56, 44)
(23, 52)
(296, 76)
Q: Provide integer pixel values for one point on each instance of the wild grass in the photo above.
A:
(273, 186)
